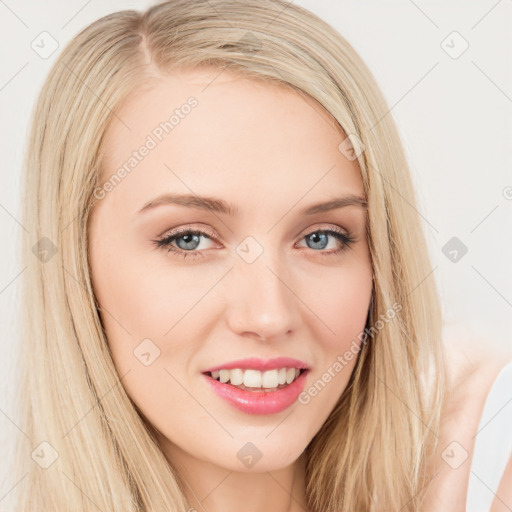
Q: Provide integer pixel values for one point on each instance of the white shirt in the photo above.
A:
(493, 444)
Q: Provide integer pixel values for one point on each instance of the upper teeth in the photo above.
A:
(257, 379)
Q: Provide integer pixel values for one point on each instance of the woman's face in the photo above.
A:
(263, 279)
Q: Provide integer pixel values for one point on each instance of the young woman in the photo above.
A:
(226, 298)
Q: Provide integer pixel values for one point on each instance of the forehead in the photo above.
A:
(213, 132)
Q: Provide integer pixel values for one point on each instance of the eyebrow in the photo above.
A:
(213, 204)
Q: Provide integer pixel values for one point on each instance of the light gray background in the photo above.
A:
(454, 115)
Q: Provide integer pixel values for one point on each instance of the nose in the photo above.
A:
(261, 300)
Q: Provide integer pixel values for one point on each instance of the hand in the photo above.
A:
(472, 365)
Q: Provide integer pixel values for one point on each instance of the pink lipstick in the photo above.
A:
(260, 400)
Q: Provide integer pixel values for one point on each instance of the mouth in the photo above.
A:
(258, 391)
(256, 380)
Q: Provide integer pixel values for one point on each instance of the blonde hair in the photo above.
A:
(372, 452)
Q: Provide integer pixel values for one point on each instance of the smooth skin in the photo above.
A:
(271, 153)
(473, 364)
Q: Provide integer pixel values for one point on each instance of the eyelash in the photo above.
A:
(346, 238)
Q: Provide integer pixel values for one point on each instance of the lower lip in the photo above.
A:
(259, 402)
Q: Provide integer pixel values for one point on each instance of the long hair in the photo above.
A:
(86, 446)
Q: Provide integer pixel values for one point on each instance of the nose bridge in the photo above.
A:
(262, 301)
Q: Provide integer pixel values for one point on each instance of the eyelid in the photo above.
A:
(325, 227)
(189, 229)
(343, 236)
(206, 230)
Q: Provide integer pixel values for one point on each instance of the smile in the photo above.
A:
(259, 400)
(250, 379)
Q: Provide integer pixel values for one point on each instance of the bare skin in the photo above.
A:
(473, 364)
(277, 154)
(271, 153)
(503, 500)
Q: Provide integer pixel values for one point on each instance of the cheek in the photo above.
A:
(340, 303)
(140, 298)
(341, 309)
(144, 313)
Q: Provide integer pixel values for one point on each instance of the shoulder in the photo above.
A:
(492, 457)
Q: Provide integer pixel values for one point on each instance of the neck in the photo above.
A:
(209, 487)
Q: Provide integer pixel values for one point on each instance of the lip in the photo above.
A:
(255, 363)
(259, 402)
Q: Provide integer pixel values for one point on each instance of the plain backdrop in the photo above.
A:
(445, 68)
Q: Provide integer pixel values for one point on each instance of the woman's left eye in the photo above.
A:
(320, 240)
(188, 240)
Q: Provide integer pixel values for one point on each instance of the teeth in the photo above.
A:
(237, 377)
(290, 375)
(269, 379)
(256, 379)
(252, 378)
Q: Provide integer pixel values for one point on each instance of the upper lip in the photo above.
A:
(260, 364)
